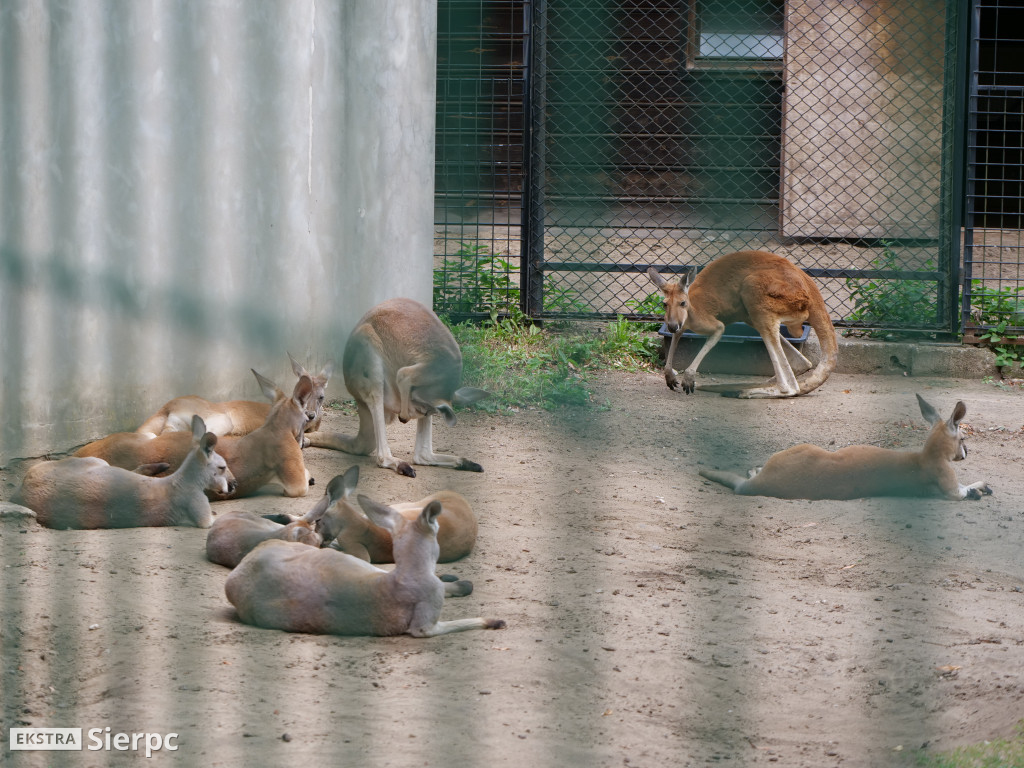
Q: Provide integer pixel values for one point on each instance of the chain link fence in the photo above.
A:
(670, 132)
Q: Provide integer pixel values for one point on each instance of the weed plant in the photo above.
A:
(521, 364)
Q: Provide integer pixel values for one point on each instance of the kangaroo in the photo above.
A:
(401, 361)
(353, 532)
(859, 471)
(283, 585)
(89, 493)
(233, 417)
(236, 534)
(255, 459)
(763, 290)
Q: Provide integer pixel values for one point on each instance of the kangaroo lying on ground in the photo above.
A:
(270, 452)
(858, 471)
(764, 291)
(401, 361)
(283, 585)
(236, 534)
(233, 417)
(353, 532)
(89, 493)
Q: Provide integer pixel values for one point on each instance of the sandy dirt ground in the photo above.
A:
(654, 619)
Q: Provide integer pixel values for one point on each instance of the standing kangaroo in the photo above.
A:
(859, 471)
(763, 290)
(284, 585)
(268, 453)
(232, 417)
(401, 361)
(89, 493)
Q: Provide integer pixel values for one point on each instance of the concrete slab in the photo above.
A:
(893, 358)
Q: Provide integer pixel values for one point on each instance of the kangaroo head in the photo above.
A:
(676, 299)
(293, 411)
(333, 512)
(210, 468)
(946, 435)
(317, 399)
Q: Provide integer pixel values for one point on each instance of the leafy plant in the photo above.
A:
(890, 302)
(999, 312)
(476, 281)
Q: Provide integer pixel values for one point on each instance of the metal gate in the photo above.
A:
(993, 295)
(670, 132)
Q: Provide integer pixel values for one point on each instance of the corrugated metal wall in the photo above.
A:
(188, 190)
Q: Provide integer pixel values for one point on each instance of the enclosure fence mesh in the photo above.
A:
(670, 132)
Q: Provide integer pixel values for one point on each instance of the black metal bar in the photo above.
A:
(531, 293)
(973, 24)
(953, 160)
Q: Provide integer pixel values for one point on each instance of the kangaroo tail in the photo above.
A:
(826, 333)
(728, 479)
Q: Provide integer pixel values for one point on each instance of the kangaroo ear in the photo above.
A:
(269, 388)
(469, 395)
(959, 411)
(297, 369)
(208, 442)
(929, 413)
(303, 389)
(431, 511)
(656, 278)
(198, 426)
(350, 480)
(448, 414)
(325, 374)
(381, 514)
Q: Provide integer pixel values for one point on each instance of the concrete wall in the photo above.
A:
(862, 118)
(191, 189)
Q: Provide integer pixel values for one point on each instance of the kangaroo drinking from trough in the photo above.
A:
(236, 534)
(858, 471)
(233, 417)
(763, 290)
(89, 493)
(268, 453)
(283, 585)
(401, 361)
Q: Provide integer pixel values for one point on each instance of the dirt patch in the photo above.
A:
(653, 619)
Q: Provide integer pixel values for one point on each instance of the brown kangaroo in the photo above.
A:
(232, 417)
(354, 533)
(89, 493)
(270, 452)
(284, 585)
(763, 290)
(859, 471)
(236, 534)
(401, 361)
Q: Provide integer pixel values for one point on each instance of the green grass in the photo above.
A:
(1001, 753)
(521, 364)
